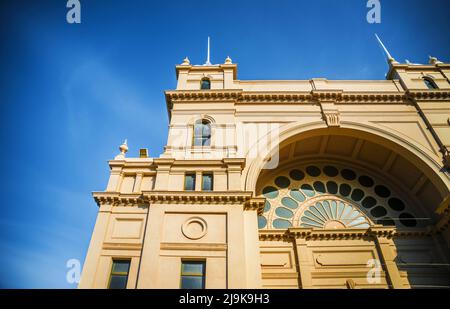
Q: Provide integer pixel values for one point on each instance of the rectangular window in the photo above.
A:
(207, 182)
(119, 274)
(192, 275)
(189, 182)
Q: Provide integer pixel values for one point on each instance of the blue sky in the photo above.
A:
(70, 93)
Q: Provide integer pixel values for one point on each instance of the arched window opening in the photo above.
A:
(205, 84)
(429, 82)
(328, 196)
(202, 133)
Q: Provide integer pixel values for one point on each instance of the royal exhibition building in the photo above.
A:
(284, 184)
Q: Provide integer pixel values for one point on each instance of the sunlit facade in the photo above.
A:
(284, 184)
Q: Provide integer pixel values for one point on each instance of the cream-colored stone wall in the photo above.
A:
(395, 128)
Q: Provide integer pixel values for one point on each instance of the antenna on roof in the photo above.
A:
(390, 58)
(208, 62)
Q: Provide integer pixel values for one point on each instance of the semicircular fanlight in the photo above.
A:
(329, 196)
(331, 214)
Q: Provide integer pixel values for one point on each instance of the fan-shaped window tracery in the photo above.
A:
(327, 196)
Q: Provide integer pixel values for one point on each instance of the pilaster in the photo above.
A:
(234, 169)
(95, 247)
(385, 245)
(304, 260)
(163, 167)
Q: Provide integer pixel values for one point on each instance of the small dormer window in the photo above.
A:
(202, 133)
(429, 82)
(205, 84)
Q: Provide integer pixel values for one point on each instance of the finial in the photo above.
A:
(391, 59)
(410, 63)
(123, 150)
(186, 61)
(228, 60)
(434, 60)
(208, 62)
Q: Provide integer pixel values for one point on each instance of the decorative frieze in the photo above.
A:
(193, 197)
(243, 198)
(341, 234)
(255, 204)
(296, 97)
(117, 199)
(428, 95)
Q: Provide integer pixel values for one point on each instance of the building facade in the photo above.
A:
(284, 184)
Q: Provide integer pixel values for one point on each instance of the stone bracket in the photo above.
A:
(330, 114)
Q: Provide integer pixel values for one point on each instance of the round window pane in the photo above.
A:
(313, 171)
(297, 175)
(270, 192)
(282, 182)
(281, 224)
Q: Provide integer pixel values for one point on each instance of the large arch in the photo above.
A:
(428, 162)
(415, 259)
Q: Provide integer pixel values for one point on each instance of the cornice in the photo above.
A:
(373, 97)
(404, 67)
(197, 197)
(340, 234)
(327, 94)
(132, 162)
(256, 203)
(275, 235)
(166, 163)
(118, 199)
(197, 162)
(238, 96)
(274, 97)
(427, 95)
(221, 95)
(163, 161)
(421, 67)
(243, 198)
(234, 163)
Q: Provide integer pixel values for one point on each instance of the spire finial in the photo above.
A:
(434, 60)
(228, 60)
(123, 150)
(186, 61)
(208, 62)
(390, 58)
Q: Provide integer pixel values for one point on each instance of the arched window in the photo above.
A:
(328, 196)
(202, 133)
(205, 84)
(429, 82)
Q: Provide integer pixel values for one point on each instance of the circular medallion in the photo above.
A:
(194, 228)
